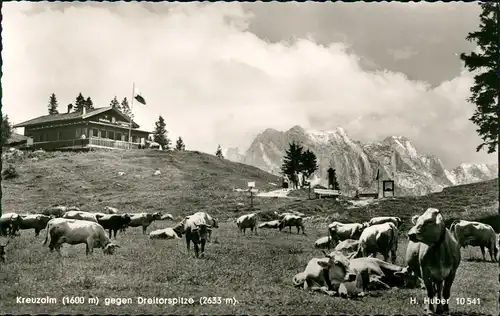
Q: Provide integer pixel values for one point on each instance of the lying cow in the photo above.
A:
(113, 222)
(316, 275)
(476, 234)
(80, 215)
(38, 222)
(270, 224)
(371, 274)
(58, 211)
(165, 233)
(247, 221)
(196, 230)
(167, 217)
(3, 245)
(385, 219)
(292, 220)
(74, 232)
(340, 231)
(381, 238)
(9, 223)
(110, 210)
(347, 247)
(434, 255)
(322, 242)
(143, 220)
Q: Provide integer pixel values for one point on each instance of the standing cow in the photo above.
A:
(38, 222)
(73, 232)
(434, 255)
(381, 238)
(292, 220)
(340, 231)
(9, 223)
(476, 234)
(113, 222)
(143, 220)
(247, 221)
(196, 230)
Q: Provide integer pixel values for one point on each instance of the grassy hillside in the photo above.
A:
(188, 181)
(256, 270)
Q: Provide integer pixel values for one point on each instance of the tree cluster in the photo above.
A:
(123, 107)
(179, 145)
(297, 161)
(6, 130)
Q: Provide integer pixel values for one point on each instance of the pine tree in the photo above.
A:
(308, 166)
(218, 153)
(125, 107)
(79, 103)
(179, 145)
(53, 104)
(114, 103)
(160, 134)
(486, 81)
(6, 130)
(336, 185)
(89, 105)
(292, 162)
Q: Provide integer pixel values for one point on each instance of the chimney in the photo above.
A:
(84, 110)
(70, 106)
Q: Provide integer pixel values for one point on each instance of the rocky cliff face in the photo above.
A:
(357, 164)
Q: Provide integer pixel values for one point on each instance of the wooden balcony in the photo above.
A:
(84, 143)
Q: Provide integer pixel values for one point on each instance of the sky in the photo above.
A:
(220, 73)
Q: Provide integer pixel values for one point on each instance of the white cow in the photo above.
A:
(340, 231)
(381, 238)
(110, 210)
(270, 224)
(292, 220)
(468, 233)
(73, 232)
(385, 219)
(80, 215)
(247, 221)
(322, 242)
(165, 233)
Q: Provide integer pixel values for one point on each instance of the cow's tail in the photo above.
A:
(358, 253)
(47, 233)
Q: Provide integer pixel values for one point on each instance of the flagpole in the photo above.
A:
(130, 115)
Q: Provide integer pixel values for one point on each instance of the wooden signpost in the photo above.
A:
(252, 190)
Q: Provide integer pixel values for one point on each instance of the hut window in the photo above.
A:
(103, 133)
(111, 135)
(118, 136)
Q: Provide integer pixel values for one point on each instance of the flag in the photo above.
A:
(138, 97)
(378, 174)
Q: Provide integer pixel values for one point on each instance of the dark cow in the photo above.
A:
(38, 222)
(292, 220)
(113, 222)
(196, 230)
(9, 223)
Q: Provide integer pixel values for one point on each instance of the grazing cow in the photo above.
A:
(74, 231)
(247, 221)
(434, 255)
(58, 211)
(476, 234)
(291, 212)
(373, 274)
(111, 210)
(9, 223)
(322, 242)
(2, 250)
(292, 220)
(317, 274)
(113, 222)
(166, 217)
(347, 247)
(385, 219)
(80, 215)
(196, 230)
(340, 231)
(38, 222)
(210, 220)
(381, 238)
(143, 219)
(165, 233)
(271, 224)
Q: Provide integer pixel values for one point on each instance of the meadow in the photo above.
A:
(253, 272)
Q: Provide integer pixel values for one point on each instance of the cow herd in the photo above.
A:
(351, 269)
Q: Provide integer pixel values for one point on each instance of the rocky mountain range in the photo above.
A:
(356, 163)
